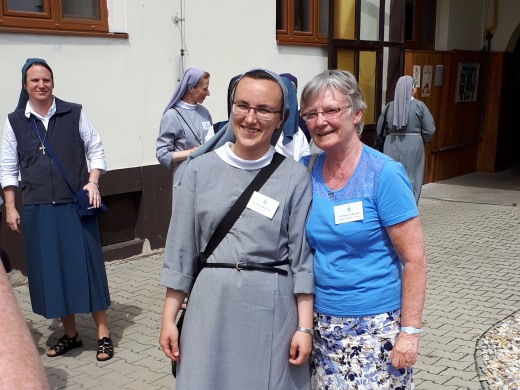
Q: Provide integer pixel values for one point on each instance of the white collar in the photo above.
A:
(186, 106)
(226, 154)
(29, 110)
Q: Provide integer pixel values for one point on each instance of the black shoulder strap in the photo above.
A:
(385, 130)
(47, 147)
(232, 215)
(189, 127)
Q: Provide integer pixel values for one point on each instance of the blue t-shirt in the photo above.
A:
(356, 268)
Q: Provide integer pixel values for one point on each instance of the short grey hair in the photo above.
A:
(336, 80)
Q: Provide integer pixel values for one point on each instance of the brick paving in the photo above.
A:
(473, 283)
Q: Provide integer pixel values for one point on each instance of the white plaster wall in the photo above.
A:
(124, 84)
(462, 24)
(507, 32)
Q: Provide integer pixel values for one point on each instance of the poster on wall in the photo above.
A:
(467, 82)
(417, 75)
(427, 80)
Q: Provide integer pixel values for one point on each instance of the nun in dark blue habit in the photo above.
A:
(63, 250)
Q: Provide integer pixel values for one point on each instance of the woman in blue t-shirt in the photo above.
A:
(370, 262)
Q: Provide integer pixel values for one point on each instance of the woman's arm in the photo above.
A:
(169, 338)
(24, 368)
(171, 137)
(427, 123)
(408, 241)
(301, 344)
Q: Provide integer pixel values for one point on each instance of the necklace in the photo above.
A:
(42, 141)
(332, 188)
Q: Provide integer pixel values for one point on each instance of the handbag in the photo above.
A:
(80, 197)
(380, 139)
(227, 223)
(82, 203)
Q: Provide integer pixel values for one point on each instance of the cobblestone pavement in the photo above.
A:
(473, 284)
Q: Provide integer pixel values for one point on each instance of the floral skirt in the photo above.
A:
(354, 353)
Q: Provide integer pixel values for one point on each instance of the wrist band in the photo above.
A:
(411, 330)
(95, 183)
(305, 330)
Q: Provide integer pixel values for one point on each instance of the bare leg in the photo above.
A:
(100, 318)
(69, 327)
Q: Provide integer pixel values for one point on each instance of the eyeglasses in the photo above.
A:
(329, 113)
(261, 113)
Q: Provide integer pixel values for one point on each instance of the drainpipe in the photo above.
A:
(486, 62)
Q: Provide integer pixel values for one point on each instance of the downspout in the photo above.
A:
(179, 21)
(487, 60)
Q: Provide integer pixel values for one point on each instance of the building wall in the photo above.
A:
(124, 85)
(462, 24)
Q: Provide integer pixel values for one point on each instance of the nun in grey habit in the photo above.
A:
(411, 126)
(243, 329)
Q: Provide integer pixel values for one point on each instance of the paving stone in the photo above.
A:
(473, 279)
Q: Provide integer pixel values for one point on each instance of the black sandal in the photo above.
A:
(106, 347)
(65, 344)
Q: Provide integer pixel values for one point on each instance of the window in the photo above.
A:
(89, 17)
(419, 30)
(302, 22)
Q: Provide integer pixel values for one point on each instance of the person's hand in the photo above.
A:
(301, 346)
(404, 353)
(12, 218)
(94, 197)
(169, 340)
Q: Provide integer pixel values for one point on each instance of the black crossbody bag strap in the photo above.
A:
(228, 221)
(236, 210)
(49, 150)
(189, 127)
(386, 128)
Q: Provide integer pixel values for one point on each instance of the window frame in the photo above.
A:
(51, 21)
(418, 27)
(287, 35)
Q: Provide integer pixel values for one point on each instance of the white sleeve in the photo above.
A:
(9, 157)
(93, 147)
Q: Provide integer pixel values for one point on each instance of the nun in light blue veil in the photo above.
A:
(289, 124)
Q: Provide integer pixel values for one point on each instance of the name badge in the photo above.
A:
(349, 212)
(206, 126)
(263, 204)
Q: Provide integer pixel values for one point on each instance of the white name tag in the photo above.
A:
(206, 126)
(263, 204)
(348, 212)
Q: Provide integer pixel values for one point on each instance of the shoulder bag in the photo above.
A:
(380, 139)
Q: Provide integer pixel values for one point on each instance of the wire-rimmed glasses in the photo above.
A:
(261, 113)
(329, 113)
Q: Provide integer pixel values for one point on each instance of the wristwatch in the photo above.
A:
(411, 330)
(305, 330)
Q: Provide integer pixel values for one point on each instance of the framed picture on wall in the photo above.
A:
(467, 82)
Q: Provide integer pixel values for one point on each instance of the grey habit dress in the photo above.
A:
(406, 145)
(239, 324)
(183, 126)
